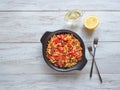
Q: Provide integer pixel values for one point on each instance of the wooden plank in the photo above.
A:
(19, 58)
(59, 5)
(30, 26)
(58, 82)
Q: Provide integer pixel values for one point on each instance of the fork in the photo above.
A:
(94, 45)
(90, 50)
(93, 61)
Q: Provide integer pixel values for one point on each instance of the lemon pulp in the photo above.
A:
(91, 22)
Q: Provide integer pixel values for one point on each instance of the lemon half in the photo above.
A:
(91, 22)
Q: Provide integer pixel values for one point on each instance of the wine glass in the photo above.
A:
(71, 17)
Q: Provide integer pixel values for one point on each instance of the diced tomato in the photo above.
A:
(58, 64)
(61, 36)
(63, 58)
(77, 50)
(72, 52)
(61, 49)
(48, 55)
(55, 54)
(69, 45)
(56, 40)
(57, 57)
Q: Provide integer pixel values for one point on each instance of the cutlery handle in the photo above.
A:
(98, 72)
(91, 70)
(96, 65)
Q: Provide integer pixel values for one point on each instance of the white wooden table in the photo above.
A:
(23, 22)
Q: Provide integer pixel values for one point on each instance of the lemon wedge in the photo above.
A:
(91, 22)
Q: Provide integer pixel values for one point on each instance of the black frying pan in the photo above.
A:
(46, 37)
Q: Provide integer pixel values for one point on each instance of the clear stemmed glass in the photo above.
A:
(71, 17)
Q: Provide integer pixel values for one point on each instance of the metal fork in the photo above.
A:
(93, 61)
(94, 45)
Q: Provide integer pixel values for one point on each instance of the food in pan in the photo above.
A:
(64, 50)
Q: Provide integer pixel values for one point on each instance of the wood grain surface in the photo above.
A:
(27, 58)
(59, 5)
(30, 26)
(22, 24)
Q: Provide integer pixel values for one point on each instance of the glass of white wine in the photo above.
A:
(72, 16)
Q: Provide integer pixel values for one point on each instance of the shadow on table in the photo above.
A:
(88, 33)
(62, 75)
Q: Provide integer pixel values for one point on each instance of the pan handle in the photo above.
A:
(82, 64)
(44, 36)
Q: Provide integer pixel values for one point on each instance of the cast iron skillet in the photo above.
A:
(46, 37)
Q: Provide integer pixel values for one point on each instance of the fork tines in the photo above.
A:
(90, 48)
(96, 41)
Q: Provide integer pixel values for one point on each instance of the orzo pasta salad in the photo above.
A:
(64, 50)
